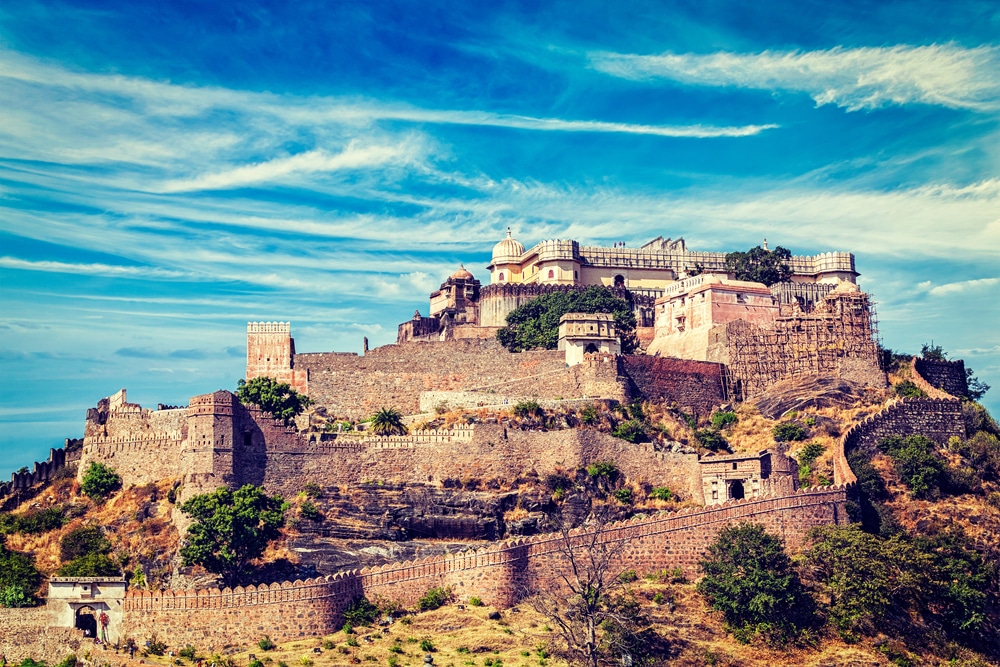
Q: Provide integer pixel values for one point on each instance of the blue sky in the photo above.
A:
(171, 170)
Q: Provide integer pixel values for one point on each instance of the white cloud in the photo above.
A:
(315, 161)
(91, 269)
(963, 286)
(855, 78)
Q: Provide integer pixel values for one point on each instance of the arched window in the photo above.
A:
(552, 274)
(500, 277)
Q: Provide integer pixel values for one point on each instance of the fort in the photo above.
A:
(708, 339)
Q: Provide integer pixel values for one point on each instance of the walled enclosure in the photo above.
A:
(496, 573)
(214, 618)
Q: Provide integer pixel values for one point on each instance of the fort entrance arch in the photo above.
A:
(90, 604)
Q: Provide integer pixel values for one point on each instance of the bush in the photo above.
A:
(721, 420)
(36, 521)
(427, 646)
(434, 598)
(623, 495)
(309, 510)
(810, 452)
(69, 661)
(711, 439)
(749, 578)
(628, 576)
(475, 601)
(361, 612)
(267, 644)
(526, 409)
(19, 579)
(156, 647)
(313, 490)
(788, 432)
(606, 469)
(91, 565)
(916, 463)
(189, 652)
(100, 480)
(630, 431)
(83, 541)
(661, 493)
(906, 389)
(588, 415)
(328, 645)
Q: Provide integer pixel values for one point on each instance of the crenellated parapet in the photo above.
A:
(498, 573)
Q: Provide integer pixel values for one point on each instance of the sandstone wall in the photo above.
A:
(694, 386)
(948, 376)
(485, 452)
(212, 619)
(28, 633)
(143, 446)
(354, 387)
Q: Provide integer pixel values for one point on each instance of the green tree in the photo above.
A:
(100, 480)
(749, 578)
(932, 352)
(272, 396)
(231, 529)
(760, 266)
(864, 580)
(535, 324)
(387, 421)
(19, 578)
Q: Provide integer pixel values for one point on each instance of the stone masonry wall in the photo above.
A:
(948, 376)
(143, 446)
(354, 387)
(28, 633)
(42, 472)
(484, 452)
(212, 619)
(936, 418)
(695, 386)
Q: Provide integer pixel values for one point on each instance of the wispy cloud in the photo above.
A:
(855, 78)
(91, 269)
(352, 157)
(963, 286)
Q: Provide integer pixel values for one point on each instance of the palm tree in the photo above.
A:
(387, 421)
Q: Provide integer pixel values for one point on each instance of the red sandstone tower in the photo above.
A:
(271, 353)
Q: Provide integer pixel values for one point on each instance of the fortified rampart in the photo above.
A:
(948, 376)
(354, 387)
(936, 418)
(42, 471)
(694, 386)
(497, 574)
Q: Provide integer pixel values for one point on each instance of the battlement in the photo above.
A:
(269, 327)
(498, 573)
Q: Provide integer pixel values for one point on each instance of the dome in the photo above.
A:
(509, 249)
(462, 273)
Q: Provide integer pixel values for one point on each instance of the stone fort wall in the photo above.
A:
(936, 418)
(216, 618)
(948, 376)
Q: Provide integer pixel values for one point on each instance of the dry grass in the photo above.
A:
(466, 636)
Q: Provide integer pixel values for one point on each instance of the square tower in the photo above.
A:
(271, 353)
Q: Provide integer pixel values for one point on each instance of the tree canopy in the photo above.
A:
(231, 529)
(19, 579)
(272, 396)
(749, 578)
(535, 324)
(387, 421)
(100, 480)
(760, 266)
